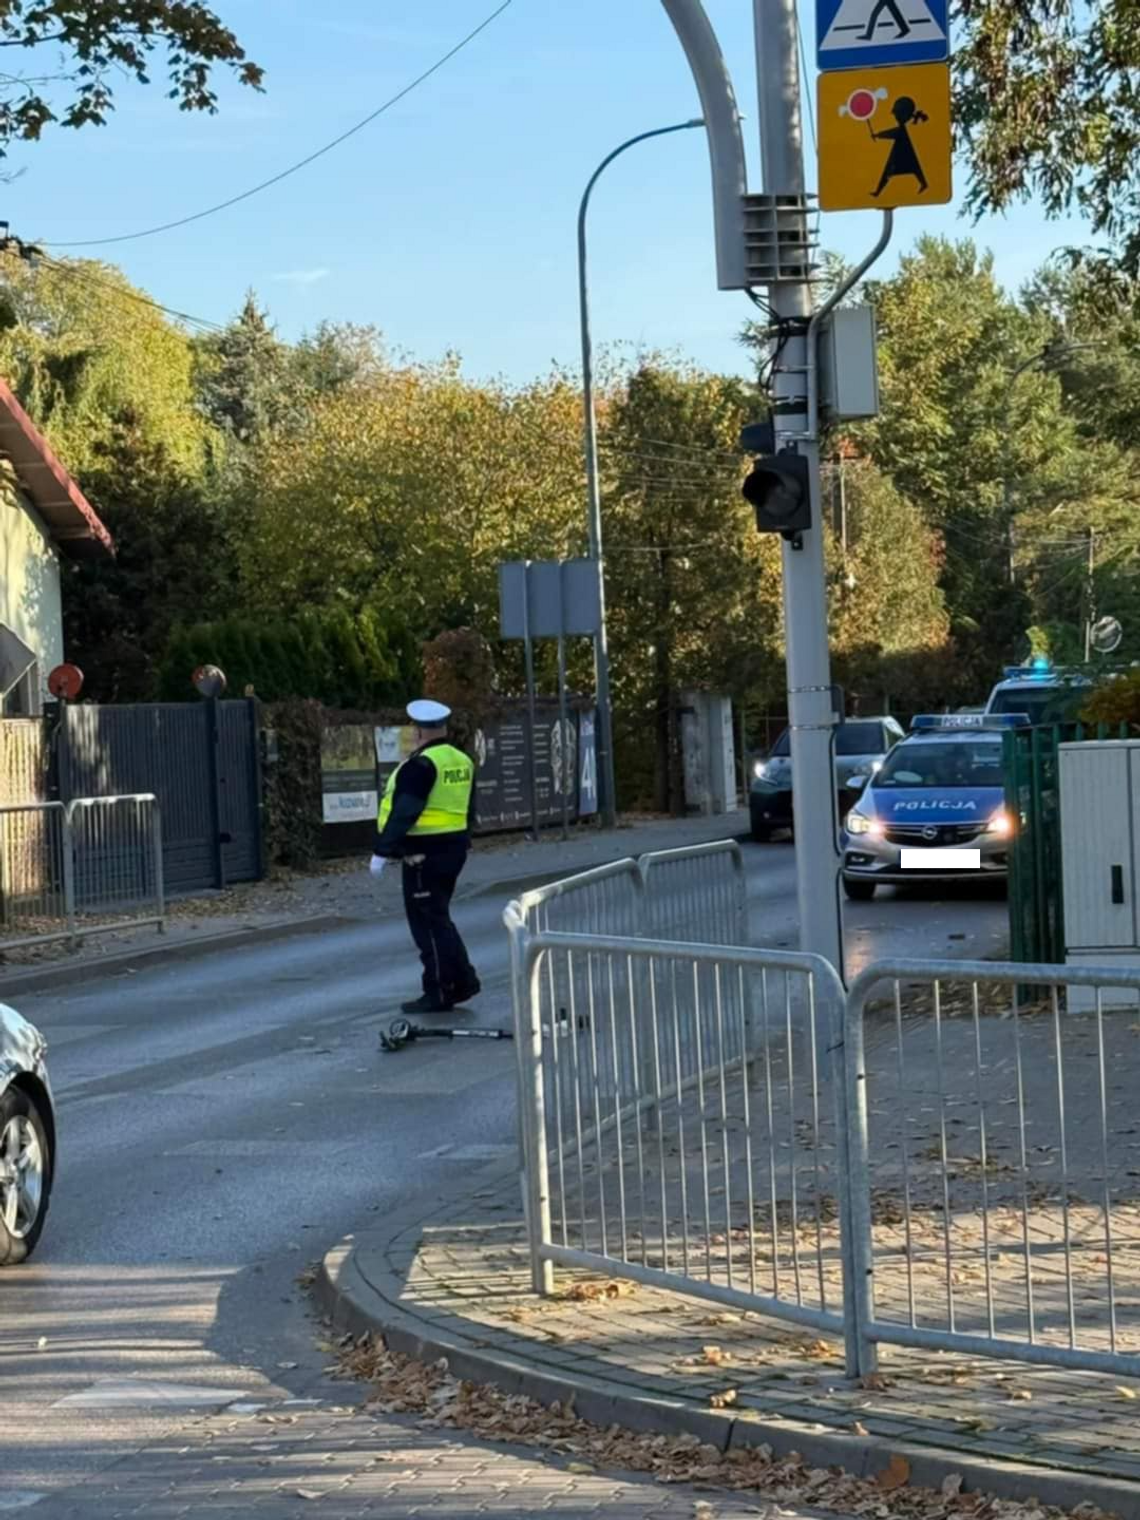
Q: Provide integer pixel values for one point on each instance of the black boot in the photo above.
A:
(426, 1004)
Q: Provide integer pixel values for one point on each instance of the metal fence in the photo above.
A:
(934, 1160)
(82, 868)
(657, 1146)
(994, 1166)
(697, 894)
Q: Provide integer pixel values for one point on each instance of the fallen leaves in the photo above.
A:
(716, 1356)
(896, 1475)
(596, 1292)
(1126, 1393)
(440, 1400)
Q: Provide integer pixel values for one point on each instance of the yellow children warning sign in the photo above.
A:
(884, 137)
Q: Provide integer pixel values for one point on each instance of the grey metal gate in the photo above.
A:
(200, 760)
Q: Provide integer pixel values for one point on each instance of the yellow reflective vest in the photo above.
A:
(449, 801)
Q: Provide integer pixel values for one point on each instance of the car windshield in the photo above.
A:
(942, 765)
(850, 739)
(859, 739)
(1043, 704)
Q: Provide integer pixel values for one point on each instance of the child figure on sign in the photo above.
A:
(903, 158)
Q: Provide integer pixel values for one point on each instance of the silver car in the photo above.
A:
(27, 1137)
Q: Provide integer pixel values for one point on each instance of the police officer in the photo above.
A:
(424, 820)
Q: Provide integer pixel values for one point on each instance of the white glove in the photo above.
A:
(376, 866)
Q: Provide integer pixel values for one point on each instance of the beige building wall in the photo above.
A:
(29, 582)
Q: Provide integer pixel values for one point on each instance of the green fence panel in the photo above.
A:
(1032, 798)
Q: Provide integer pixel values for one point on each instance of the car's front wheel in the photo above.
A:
(25, 1176)
(858, 891)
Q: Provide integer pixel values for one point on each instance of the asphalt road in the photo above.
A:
(224, 1120)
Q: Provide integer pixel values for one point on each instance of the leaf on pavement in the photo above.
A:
(897, 1475)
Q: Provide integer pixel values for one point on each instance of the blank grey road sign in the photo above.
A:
(556, 598)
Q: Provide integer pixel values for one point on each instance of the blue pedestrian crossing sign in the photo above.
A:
(852, 34)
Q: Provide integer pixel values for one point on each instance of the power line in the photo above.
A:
(689, 448)
(100, 282)
(245, 195)
(806, 75)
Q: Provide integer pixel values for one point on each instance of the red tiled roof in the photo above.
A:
(70, 518)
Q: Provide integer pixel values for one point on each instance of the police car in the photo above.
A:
(936, 807)
(1045, 692)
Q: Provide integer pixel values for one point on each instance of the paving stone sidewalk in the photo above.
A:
(462, 1279)
(334, 1462)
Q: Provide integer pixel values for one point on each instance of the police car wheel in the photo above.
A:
(859, 891)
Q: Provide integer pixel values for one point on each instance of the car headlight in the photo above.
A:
(1001, 823)
(759, 769)
(858, 824)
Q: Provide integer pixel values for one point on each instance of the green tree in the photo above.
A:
(85, 352)
(976, 429)
(887, 604)
(337, 356)
(692, 588)
(78, 51)
(1047, 105)
(245, 376)
(406, 493)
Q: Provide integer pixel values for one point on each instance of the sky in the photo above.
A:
(449, 223)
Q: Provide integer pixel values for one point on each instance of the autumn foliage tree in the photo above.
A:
(78, 53)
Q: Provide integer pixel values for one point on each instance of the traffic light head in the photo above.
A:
(779, 489)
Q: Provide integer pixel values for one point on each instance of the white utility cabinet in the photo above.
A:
(1099, 786)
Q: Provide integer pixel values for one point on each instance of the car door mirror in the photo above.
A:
(856, 783)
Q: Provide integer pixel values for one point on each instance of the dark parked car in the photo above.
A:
(861, 745)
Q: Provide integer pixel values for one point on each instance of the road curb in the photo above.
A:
(63, 973)
(355, 1305)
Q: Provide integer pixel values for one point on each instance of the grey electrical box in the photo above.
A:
(848, 364)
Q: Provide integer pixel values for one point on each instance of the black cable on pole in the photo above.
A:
(245, 195)
(91, 278)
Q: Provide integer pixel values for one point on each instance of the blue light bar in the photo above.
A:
(1038, 670)
(935, 722)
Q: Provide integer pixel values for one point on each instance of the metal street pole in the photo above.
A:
(594, 497)
(1090, 595)
(805, 583)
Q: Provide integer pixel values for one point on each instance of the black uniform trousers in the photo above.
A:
(429, 886)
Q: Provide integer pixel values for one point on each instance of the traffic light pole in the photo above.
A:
(805, 584)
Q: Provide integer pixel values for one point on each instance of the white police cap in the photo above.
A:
(428, 713)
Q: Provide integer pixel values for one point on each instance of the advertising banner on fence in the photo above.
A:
(564, 758)
(587, 767)
(348, 774)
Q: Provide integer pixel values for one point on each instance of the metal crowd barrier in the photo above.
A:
(83, 868)
(944, 1158)
(995, 1164)
(696, 893)
(716, 1176)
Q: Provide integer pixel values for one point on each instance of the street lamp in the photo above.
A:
(594, 498)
